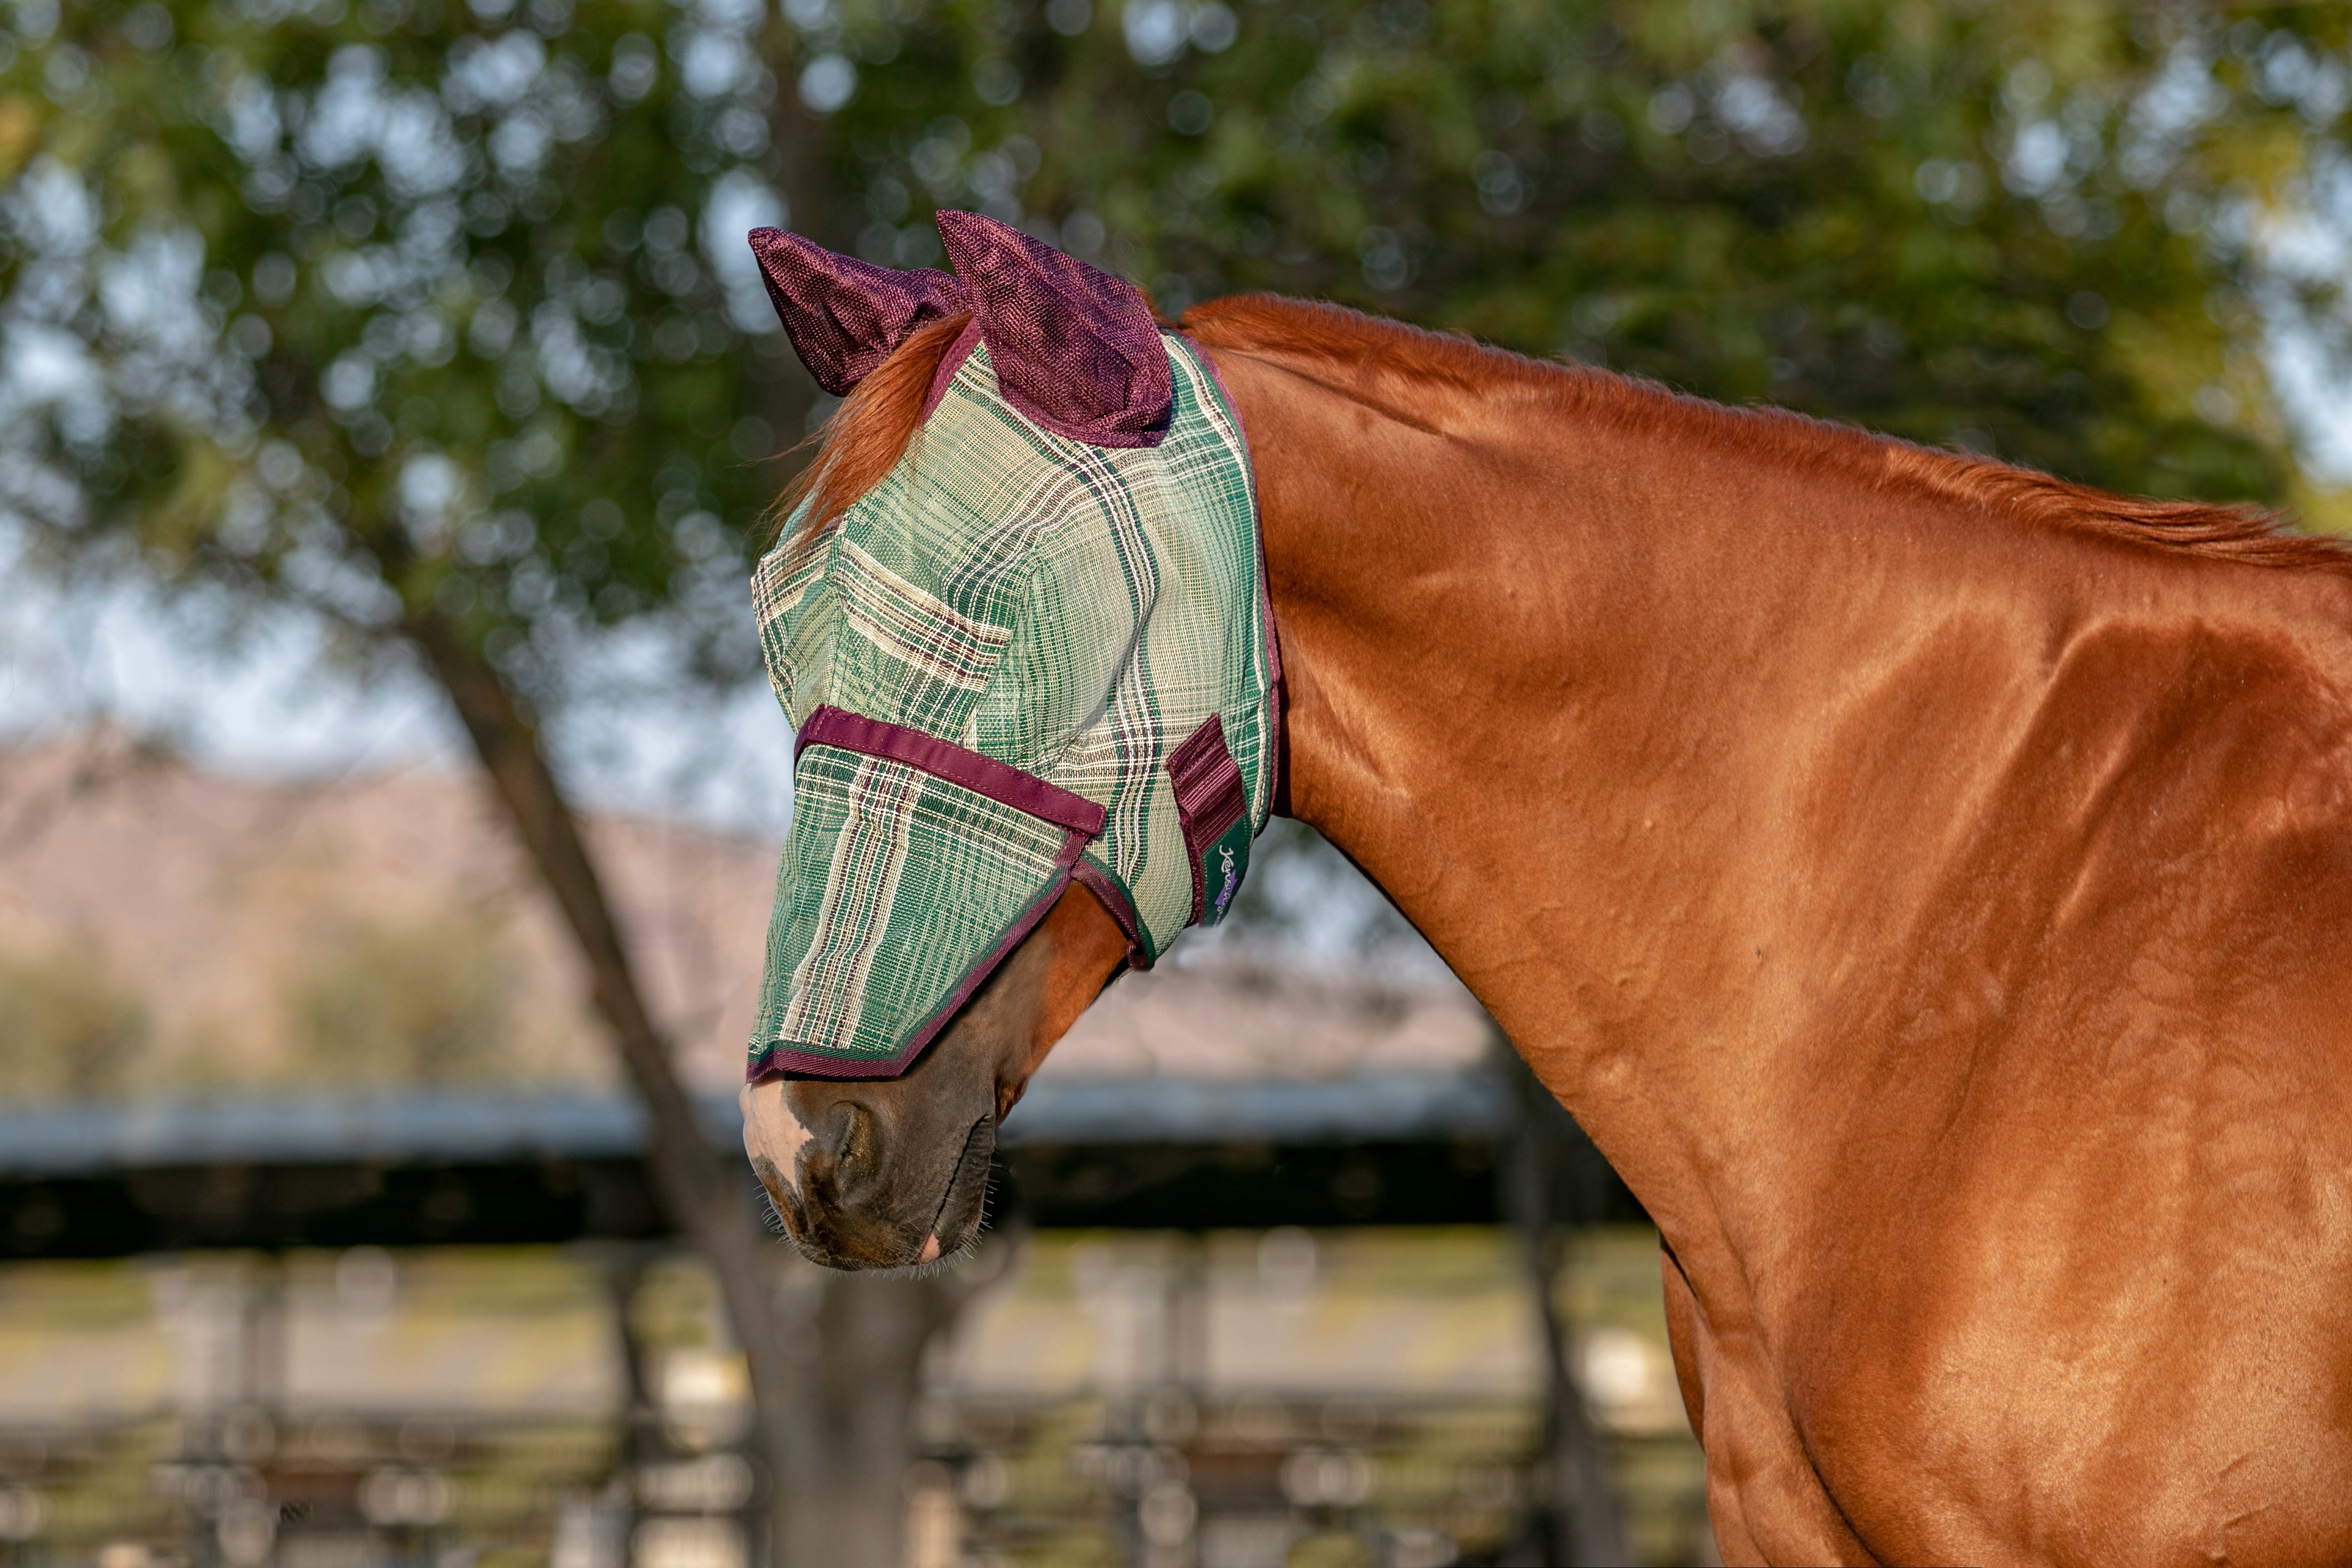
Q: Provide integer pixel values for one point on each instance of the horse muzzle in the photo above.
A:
(855, 1189)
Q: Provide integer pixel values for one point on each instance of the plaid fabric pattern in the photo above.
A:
(1075, 612)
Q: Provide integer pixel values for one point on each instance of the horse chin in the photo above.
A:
(860, 1251)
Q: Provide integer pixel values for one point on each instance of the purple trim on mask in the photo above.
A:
(1085, 435)
(1073, 348)
(1277, 694)
(1114, 897)
(779, 1061)
(999, 781)
(957, 352)
(1278, 689)
(846, 316)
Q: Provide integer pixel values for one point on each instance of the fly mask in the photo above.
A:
(1037, 651)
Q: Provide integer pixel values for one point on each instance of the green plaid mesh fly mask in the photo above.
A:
(1021, 659)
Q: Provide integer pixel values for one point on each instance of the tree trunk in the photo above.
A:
(858, 1371)
(803, 147)
(708, 1196)
(1579, 1523)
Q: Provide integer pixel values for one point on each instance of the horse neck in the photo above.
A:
(1515, 653)
(1667, 752)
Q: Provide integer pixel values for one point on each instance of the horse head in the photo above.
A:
(1017, 619)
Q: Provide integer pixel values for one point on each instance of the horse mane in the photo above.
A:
(1386, 352)
(869, 432)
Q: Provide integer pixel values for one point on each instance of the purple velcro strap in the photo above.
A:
(999, 781)
(1210, 797)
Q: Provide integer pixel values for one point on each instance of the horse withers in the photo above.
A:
(1930, 883)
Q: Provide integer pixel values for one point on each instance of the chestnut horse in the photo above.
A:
(1930, 883)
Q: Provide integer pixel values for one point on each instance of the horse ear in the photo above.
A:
(844, 315)
(1074, 349)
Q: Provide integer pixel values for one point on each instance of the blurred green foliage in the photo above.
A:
(68, 1030)
(422, 309)
(2032, 229)
(397, 312)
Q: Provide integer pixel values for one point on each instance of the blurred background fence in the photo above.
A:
(387, 413)
(1257, 1290)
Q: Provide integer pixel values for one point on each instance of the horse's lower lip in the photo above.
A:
(959, 1209)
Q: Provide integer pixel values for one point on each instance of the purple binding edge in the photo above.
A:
(1278, 689)
(1044, 421)
(1080, 820)
(999, 781)
(971, 338)
(957, 352)
(778, 1060)
(1114, 897)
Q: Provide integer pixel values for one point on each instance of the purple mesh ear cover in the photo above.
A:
(1074, 349)
(846, 316)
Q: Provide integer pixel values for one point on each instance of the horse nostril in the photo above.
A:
(857, 1140)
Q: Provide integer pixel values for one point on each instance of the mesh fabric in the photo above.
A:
(1073, 610)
